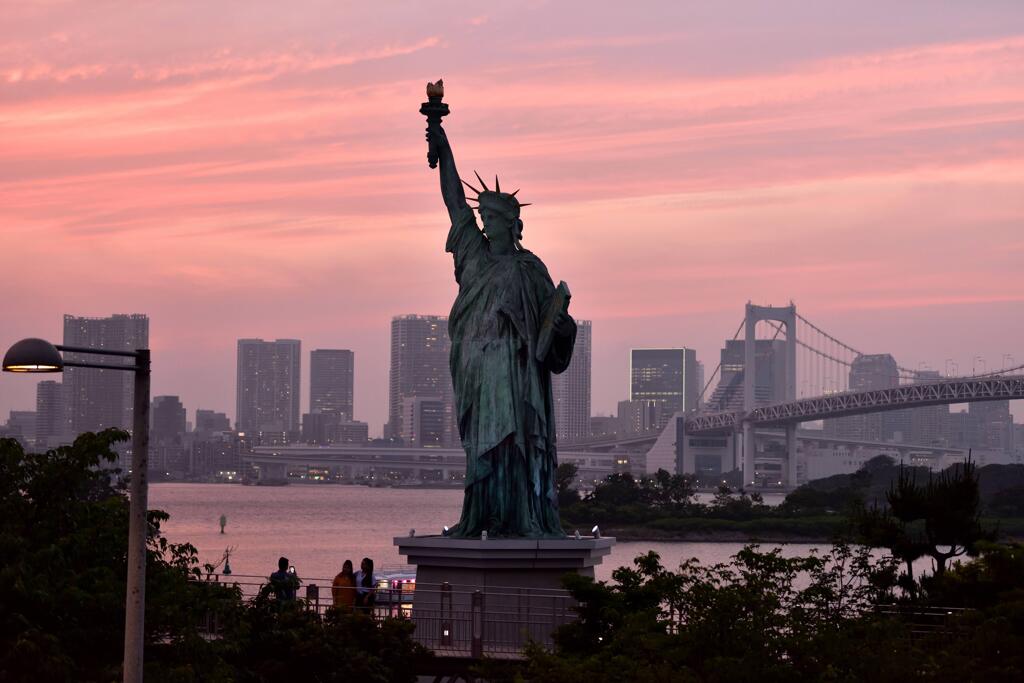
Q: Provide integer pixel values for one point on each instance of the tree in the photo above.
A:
(565, 480)
(617, 489)
(939, 518)
(64, 541)
(670, 491)
(760, 616)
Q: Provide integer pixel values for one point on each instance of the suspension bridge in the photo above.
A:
(780, 370)
(749, 396)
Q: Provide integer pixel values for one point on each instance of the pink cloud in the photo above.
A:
(268, 178)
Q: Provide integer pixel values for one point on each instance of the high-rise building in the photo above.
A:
(332, 426)
(97, 399)
(929, 426)
(22, 423)
(991, 426)
(419, 367)
(167, 420)
(219, 453)
(868, 372)
(168, 455)
(570, 390)
(331, 373)
(50, 416)
(211, 422)
(425, 421)
(769, 379)
(605, 425)
(665, 375)
(268, 385)
(641, 415)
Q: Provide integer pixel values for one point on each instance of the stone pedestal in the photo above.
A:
(489, 597)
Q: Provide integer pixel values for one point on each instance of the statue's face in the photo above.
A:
(498, 226)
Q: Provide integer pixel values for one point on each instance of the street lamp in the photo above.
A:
(39, 355)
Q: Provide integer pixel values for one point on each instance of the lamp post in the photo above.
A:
(38, 355)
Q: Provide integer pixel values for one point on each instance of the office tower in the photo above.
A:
(605, 425)
(868, 372)
(665, 375)
(769, 379)
(570, 390)
(22, 423)
(167, 420)
(211, 422)
(425, 421)
(168, 456)
(219, 453)
(991, 426)
(50, 418)
(332, 426)
(331, 375)
(641, 415)
(419, 367)
(929, 426)
(268, 385)
(98, 399)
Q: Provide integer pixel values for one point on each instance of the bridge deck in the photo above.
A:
(859, 402)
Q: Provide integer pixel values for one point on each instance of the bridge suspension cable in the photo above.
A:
(903, 373)
(823, 366)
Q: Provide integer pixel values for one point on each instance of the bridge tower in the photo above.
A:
(787, 316)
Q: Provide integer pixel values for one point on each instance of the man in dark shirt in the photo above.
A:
(284, 582)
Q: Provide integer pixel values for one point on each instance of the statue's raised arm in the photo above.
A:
(440, 152)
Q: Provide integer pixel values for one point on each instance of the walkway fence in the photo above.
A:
(452, 620)
(473, 621)
(924, 621)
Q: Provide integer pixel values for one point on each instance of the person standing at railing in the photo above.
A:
(366, 591)
(343, 589)
(284, 582)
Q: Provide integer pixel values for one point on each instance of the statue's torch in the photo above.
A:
(434, 109)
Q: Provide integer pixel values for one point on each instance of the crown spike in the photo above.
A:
(497, 185)
(526, 204)
(470, 186)
(515, 193)
(482, 183)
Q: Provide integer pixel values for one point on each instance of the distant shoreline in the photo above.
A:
(720, 536)
(730, 531)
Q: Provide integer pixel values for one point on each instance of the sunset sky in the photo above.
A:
(258, 169)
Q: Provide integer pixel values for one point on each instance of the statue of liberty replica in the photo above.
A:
(509, 329)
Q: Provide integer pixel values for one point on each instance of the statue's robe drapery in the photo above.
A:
(502, 392)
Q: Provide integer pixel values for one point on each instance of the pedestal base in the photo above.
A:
(478, 597)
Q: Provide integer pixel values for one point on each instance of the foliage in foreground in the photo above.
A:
(766, 617)
(64, 539)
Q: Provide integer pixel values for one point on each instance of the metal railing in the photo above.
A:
(924, 621)
(454, 620)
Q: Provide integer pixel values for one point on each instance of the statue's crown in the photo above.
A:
(496, 199)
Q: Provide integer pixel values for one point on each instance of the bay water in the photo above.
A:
(317, 527)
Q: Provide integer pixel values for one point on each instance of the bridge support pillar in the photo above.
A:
(790, 472)
(749, 448)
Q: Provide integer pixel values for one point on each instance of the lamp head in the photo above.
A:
(33, 355)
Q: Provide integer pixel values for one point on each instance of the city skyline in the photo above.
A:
(376, 429)
(869, 173)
